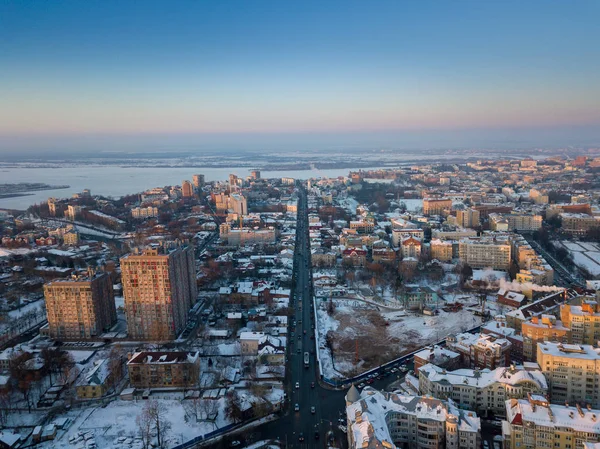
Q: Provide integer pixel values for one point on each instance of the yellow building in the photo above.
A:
(583, 320)
(94, 383)
(534, 423)
(436, 206)
(80, 307)
(159, 286)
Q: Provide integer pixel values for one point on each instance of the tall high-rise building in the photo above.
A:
(198, 181)
(238, 204)
(468, 218)
(187, 189)
(255, 174)
(80, 307)
(159, 286)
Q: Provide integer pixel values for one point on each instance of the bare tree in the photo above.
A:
(144, 424)
(233, 407)
(115, 365)
(156, 414)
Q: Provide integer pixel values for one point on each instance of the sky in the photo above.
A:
(248, 72)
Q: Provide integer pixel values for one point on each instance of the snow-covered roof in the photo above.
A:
(146, 357)
(552, 416)
(483, 378)
(367, 416)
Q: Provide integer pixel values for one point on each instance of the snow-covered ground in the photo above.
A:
(117, 421)
(382, 336)
(586, 255)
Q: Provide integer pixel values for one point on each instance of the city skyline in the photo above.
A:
(211, 71)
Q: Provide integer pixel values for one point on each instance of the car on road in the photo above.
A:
(313, 410)
(312, 385)
(342, 428)
(361, 385)
(235, 443)
(297, 407)
(304, 331)
(486, 445)
(298, 351)
(301, 437)
(317, 436)
(297, 385)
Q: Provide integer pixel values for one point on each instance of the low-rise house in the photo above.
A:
(94, 383)
(164, 369)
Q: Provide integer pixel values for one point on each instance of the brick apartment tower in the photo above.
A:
(80, 307)
(159, 286)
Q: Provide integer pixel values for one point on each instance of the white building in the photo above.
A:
(484, 391)
(379, 419)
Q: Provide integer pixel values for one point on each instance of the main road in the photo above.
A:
(315, 422)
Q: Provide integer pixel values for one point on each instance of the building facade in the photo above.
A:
(573, 372)
(159, 287)
(164, 369)
(80, 307)
(378, 419)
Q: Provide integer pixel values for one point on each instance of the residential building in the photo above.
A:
(249, 342)
(198, 181)
(255, 174)
(437, 355)
(159, 287)
(583, 320)
(187, 189)
(238, 204)
(515, 222)
(467, 218)
(578, 224)
(80, 307)
(247, 236)
(480, 350)
(573, 372)
(534, 423)
(441, 250)
(378, 419)
(485, 253)
(144, 212)
(174, 369)
(411, 247)
(356, 257)
(94, 383)
(436, 206)
(484, 391)
(73, 212)
(541, 329)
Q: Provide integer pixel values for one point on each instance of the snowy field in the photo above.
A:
(115, 425)
(586, 255)
(379, 337)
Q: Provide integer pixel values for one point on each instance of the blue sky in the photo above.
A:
(78, 68)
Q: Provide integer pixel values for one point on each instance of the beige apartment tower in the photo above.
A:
(159, 286)
(187, 189)
(81, 307)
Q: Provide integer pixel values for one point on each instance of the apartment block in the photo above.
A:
(578, 224)
(80, 307)
(377, 419)
(159, 287)
(485, 253)
(535, 423)
(480, 351)
(583, 320)
(164, 369)
(468, 218)
(436, 206)
(484, 391)
(542, 329)
(573, 372)
(441, 250)
(247, 236)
